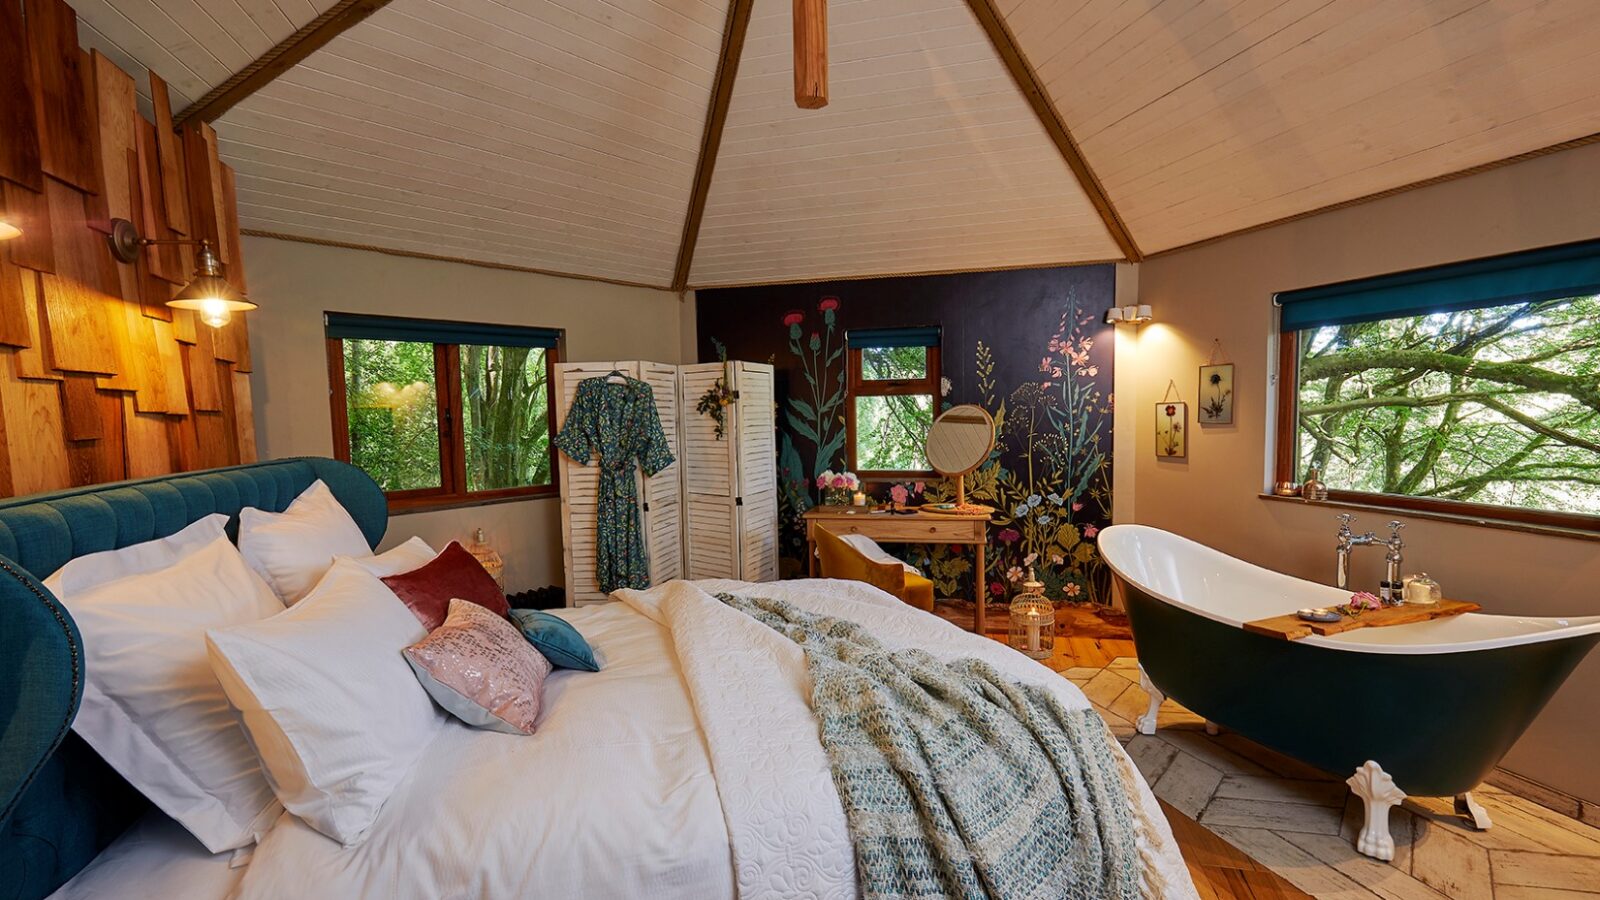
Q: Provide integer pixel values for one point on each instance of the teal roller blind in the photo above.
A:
(437, 331)
(893, 337)
(1550, 273)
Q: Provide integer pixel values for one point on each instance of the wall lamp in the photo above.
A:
(8, 230)
(208, 291)
(1129, 315)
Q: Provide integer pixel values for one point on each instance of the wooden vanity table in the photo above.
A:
(916, 528)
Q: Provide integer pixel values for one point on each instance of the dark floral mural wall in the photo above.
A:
(1030, 346)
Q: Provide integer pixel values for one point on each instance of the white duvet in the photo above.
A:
(689, 767)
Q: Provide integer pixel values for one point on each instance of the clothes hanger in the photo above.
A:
(616, 377)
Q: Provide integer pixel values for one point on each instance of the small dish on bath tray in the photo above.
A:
(1319, 614)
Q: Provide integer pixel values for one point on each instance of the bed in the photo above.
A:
(690, 766)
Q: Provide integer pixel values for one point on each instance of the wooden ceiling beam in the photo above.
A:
(711, 139)
(1022, 72)
(289, 52)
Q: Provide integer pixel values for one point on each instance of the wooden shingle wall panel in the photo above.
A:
(31, 362)
(14, 330)
(66, 143)
(19, 152)
(30, 212)
(206, 395)
(80, 333)
(94, 383)
(244, 418)
(174, 184)
(35, 440)
(206, 213)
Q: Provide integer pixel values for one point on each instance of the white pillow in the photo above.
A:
(94, 569)
(413, 554)
(329, 701)
(293, 549)
(151, 705)
(869, 548)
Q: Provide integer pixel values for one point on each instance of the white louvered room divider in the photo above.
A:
(714, 512)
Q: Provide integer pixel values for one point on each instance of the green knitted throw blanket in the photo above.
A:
(956, 782)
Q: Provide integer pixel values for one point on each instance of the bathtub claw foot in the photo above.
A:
(1146, 724)
(1468, 805)
(1379, 794)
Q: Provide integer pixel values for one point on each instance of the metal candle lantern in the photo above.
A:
(489, 558)
(1033, 621)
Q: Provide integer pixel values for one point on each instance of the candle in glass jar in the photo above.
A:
(860, 499)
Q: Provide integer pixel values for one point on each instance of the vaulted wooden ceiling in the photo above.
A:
(657, 142)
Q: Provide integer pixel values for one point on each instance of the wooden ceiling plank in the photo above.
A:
(711, 141)
(281, 58)
(1028, 83)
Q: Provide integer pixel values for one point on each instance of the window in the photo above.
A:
(1469, 388)
(893, 391)
(401, 388)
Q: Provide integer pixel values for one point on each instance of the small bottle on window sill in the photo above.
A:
(1314, 489)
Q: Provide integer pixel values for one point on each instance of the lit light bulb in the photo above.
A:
(8, 230)
(215, 313)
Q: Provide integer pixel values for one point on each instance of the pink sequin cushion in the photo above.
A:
(481, 669)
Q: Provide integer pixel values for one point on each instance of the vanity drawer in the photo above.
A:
(898, 529)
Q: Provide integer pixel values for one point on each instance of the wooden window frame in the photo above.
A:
(1286, 457)
(857, 386)
(452, 491)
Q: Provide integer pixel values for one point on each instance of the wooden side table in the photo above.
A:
(916, 528)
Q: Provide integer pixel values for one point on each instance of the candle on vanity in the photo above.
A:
(860, 499)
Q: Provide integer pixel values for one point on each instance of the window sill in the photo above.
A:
(407, 505)
(1400, 511)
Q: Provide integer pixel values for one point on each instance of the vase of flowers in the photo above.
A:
(837, 487)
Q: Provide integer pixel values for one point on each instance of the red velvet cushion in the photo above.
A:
(454, 573)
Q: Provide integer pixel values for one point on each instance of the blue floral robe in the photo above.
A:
(619, 422)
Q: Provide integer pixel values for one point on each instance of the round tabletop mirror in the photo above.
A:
(958, 442)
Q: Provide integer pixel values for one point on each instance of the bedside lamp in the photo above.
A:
(8, 230)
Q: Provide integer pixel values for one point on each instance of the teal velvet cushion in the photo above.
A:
(556, 639)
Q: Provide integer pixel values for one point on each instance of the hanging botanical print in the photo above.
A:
(1042, 370)
(1172, 434)
(1216, 394)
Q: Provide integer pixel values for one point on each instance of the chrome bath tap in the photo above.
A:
(1391, 590)
(1348, 541)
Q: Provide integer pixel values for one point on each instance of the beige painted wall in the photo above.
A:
(295, 283)
(1224, 291)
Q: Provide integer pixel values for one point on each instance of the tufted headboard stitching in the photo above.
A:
(60, 804)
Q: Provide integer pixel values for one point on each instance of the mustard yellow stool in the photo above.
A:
(838, 559)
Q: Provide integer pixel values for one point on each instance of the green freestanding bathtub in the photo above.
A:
(1426, 709)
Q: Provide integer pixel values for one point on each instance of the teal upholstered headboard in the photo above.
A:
(60, 804)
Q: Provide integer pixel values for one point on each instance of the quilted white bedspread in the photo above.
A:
(690, 767)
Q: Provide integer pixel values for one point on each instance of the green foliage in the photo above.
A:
(393, 410)
(394, 414)
(1498, 405)
(891, 432)
(505, 399)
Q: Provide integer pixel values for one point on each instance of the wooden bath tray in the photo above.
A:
(1292, 628)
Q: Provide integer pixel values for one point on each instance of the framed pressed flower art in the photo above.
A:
(1216, 394)
(1172, 430)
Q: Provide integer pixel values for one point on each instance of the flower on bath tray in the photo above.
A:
(1360, 602)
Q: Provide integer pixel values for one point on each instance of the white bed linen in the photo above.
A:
(155, 858)
(752, 692)
(612, 797)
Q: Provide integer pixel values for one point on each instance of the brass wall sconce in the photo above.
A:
(208, 292)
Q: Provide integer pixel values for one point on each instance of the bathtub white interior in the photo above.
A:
(1206, 582)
